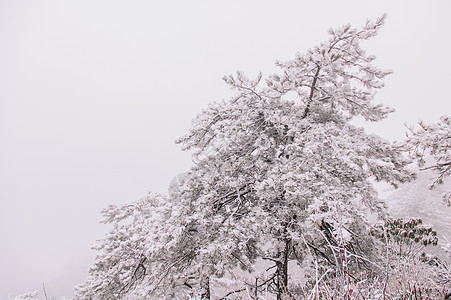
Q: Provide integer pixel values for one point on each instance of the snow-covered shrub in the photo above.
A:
(405, 272)
(27, 296)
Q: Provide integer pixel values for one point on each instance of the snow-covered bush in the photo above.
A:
(406, 272)
(27, 296)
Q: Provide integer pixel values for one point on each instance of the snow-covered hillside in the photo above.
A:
(416, 200)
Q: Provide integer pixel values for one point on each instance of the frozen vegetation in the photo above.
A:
(280, 202)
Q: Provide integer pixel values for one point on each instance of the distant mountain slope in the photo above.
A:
(415, 199)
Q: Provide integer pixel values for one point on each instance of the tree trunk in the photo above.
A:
(282, 271)
(205, 288)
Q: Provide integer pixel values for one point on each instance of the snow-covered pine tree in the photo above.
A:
(432, 140)
(277, 178)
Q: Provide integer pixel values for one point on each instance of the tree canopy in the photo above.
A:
(287, 183)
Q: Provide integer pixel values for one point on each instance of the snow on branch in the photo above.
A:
(432, 140)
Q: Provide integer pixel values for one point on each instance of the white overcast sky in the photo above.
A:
(93, 94)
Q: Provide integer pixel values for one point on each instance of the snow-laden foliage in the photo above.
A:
(277, 181)
(433, 140)
(27, 296)
(275, 176)
(139, 254)
(34, 296)
(408, 272)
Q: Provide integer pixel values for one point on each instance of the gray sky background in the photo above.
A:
(93, 94)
